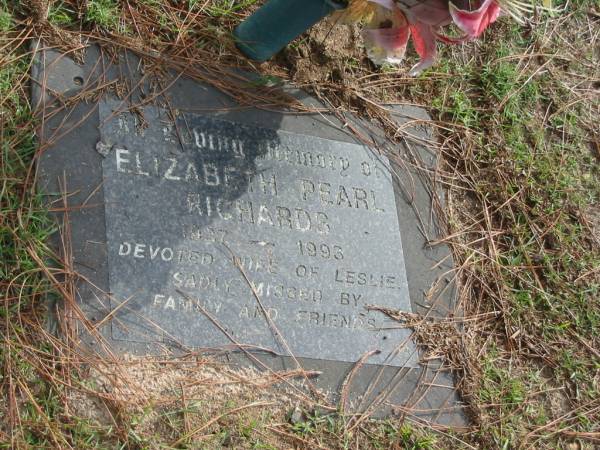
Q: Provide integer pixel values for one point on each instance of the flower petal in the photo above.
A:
(387, 35)
(473, 23)
(386, 44)
(387, 4)
(424, 42)
(430, 12)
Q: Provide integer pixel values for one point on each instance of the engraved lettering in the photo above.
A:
(345, 166)
(322, 250)
(335, 320)
(347, 298)
(268, 185)
(298, 213)
(365, 167)
(207, 141)
(138, 250)
(167, 254)
(303, 271)
(154, 252)
(169, 173)
(374, 203)
(170, 303)
(342, 198)
(138, 166)
(256, 312)
(308, 187)
(384, 281)
(304, 222)
(325, 193)
(257, 264)
(158, 299)
(222, 213)
(211, 175)
(121, 160)
(229, 175)
(246, 211)
(264, 216)
(360, 196)
(185, 304)
(322, 223)
(191, 174)
(124, 249)
(196, 232)
(284, 217)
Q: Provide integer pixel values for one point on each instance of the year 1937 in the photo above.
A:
(322, 250)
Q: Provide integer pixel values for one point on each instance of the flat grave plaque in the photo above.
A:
(129, 193)
(220, 232)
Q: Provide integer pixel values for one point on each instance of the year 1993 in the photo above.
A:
(322, 250)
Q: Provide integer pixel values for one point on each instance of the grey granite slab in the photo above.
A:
(243, 222)
(161, 268)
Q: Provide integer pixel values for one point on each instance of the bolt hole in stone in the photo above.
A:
(78, 81)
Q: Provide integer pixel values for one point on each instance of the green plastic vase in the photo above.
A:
(278, 22)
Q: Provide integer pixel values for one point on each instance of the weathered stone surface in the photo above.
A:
(108, 207)
(212, 228)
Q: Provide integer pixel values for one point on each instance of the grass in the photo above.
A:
(224, 8)
(23, 227)
(520, 160)
(61, 14)
(103, 13)
(5, 19)
(536, 172)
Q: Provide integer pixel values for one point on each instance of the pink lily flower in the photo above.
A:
(387, 42)
(389, 31)
(473, 23)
